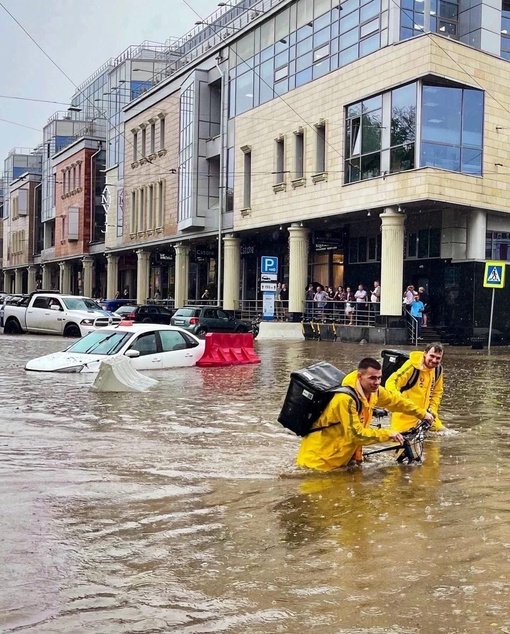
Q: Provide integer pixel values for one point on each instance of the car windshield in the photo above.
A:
(80, 303)
(100, 342)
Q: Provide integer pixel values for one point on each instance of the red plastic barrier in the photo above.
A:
(228, 349)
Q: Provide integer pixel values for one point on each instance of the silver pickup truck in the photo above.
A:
(55, 314)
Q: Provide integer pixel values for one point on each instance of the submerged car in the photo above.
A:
(148, 347)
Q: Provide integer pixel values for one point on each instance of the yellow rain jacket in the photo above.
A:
(337, 445)
(425, 393)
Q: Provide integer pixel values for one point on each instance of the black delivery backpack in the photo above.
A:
(392, 360)
(309, 392)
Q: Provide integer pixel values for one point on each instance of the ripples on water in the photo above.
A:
(180, 510)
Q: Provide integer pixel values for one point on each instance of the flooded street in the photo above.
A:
(180, 509)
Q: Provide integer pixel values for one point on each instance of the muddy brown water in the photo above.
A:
(180, 509)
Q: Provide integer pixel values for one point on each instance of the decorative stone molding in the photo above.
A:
(134, 165)
(245, 148)
(152, 120)
(299, 130)
(298, 182)
(280, 187)
(152, 157)
(321, 176)
(246, 212)
(161, 115)
(132, 236)
(143, 126)
(162, 152)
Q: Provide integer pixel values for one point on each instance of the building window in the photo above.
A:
(150, 207)
(497, 245)
(247, 180)
(452, 129)
(505, 29)
(135, 146)
(153, 138)
(299, 154)
(320, 148)
(133, 214)
(403, 128)
(300, 45)
(161, 204)
(412, 18)
(79, 175)
(74, 178)
(229, 193)
(186, 178)
(279, 172)
(423, 244)
(143, 149)
(363, 140)
(141, 209)
(162, 133)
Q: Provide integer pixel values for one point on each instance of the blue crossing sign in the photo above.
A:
(494, 275)
(269, 264)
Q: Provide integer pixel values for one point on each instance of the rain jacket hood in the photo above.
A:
(345, 431)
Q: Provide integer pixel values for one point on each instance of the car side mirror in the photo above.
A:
(54, 307)
(132, 354)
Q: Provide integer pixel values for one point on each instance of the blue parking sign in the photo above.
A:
(269, 264)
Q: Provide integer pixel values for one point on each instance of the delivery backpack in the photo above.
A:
(393, 360)
(310, 390)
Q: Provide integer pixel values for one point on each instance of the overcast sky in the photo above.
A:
(79, 36)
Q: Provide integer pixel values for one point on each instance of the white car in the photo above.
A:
(148, 347)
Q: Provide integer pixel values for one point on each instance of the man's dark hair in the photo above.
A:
(367, 363)
(435, 346)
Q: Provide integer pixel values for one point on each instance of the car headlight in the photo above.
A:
(73, 369)
(87, 322)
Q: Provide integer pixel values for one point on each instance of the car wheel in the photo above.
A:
(201, 332)
(12, 327)
(72, 330)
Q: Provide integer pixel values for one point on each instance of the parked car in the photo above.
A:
(148, 347)
(146, 314)
(113, 304)
(203, 319)
(51, 313)
(9, 300)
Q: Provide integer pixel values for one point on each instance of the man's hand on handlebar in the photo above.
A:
(397, 437)
(429, 417)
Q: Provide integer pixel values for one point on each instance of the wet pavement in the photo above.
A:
(180, 509)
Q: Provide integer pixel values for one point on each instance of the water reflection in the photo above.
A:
(180, 509)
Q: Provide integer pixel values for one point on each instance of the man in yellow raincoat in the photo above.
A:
(421, 381)
(344, 430)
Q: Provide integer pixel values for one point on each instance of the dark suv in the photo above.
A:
(203, 319)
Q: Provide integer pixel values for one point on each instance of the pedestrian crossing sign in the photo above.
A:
(494, 276)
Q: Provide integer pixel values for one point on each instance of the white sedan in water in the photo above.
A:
(147, 346)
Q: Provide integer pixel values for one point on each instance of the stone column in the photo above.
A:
(46, 277)
(298, 267)
(32, 282)
(65, 277)
(18, 281)
(112, 276)
(87, 265)
(231, 272)
(142, 276)
(7, 282)
(181, 274)
(476, 235)
(392, 261)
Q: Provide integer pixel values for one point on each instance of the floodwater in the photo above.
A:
(180, 509)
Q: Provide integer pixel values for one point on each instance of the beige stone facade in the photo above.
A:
(325, 100)
(151, 182)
